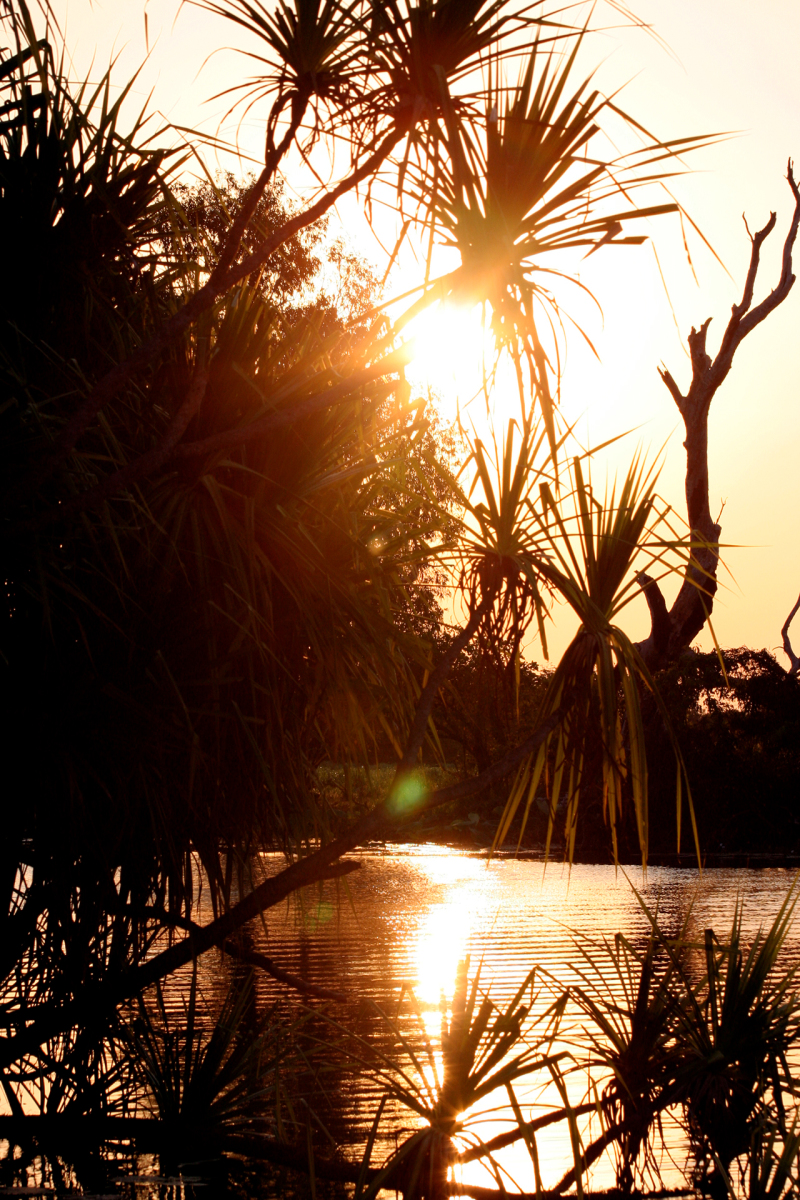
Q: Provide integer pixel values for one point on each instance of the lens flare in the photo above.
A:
(408, 794)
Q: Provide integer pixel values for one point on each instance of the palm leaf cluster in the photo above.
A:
(200, 1081)
(484, 1048)
(705, 1029)
(187, 646)
(368, 68)
(236, 555)
(503, 173)
(540, 536)
(518, 194)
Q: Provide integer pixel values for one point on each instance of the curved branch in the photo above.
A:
(660, 625)
(521, 1131)
(47, 1021)
(794, 668)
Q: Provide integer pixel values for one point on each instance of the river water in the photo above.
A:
(410, 914)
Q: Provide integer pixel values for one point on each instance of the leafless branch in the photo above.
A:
(794, 668)
(660, 626)
(693, 604)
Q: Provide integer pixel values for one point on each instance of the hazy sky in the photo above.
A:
(731, 66)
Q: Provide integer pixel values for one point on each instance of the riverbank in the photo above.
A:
(472, 825)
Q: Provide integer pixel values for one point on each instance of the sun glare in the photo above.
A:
(443, 938)
(450, 344)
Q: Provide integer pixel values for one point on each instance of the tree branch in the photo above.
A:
(521, 1131)
(253, 959)
(250, 957)
(660, 626)
(672, 387)
(794, 661)
(587, 1158)
(694, 602)
(755, 252)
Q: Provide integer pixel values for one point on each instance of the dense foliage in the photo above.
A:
(740, 736)
(138, 656)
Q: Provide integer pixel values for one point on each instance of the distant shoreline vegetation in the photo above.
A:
(740, 737)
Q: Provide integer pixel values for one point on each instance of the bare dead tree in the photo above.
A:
(673, 629)
(794, 661)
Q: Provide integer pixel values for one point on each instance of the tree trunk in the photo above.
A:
(673, 629)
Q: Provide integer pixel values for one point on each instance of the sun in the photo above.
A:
(451, 345)
(453, 355)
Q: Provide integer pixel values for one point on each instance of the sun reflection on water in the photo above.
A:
(442, 939)
(461, 920)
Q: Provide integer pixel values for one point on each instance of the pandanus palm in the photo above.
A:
(715, 1048)
(528, 185)
(735, 1031)
(485, 1049)
(190, 638)
(528, 539)
(305, 52)
(631, 998)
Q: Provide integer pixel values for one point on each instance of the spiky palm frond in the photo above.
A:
(308, 50)
(399, 53)
(532, 182)
(183, 653)
(735, 1030)
(631, 998)
(589, 560)
(773, 1167)
(420, 52)
(497, 536)
(484, 1050)
(296, 622)
(716, 1046)
(198, 1080)
(80, 192)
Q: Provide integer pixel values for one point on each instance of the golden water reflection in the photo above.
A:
(442, 939)
(414, 913)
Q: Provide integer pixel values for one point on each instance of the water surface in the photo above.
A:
(406, 918)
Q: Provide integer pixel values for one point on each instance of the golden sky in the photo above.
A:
(729, 66)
